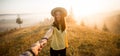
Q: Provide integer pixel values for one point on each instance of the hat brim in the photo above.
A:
(62, 10)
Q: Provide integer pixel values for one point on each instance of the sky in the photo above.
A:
(80, 7)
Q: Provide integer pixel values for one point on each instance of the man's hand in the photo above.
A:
(37, 47)
(42, 43)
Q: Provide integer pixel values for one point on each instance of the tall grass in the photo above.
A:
(82, 42)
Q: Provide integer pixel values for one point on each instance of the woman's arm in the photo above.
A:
(36, 47)
(48, 33)
(46, 37)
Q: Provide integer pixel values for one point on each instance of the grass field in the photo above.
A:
(83, 41)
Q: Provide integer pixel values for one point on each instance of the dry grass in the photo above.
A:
(82, 42)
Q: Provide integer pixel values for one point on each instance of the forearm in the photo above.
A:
(48, 33)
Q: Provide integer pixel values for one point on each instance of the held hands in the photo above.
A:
(37, 47)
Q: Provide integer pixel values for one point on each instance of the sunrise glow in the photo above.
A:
(81, 8)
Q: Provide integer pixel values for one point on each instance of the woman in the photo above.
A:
(58, 34)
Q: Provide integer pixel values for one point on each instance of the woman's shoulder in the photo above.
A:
(51, 27)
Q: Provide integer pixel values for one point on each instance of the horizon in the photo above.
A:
(80, 7)
(91, 11)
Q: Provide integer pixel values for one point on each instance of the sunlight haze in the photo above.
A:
(80, 7)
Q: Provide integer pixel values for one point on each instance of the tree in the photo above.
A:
(95, 27)
(19, 21)
(117, 24)
(70, 18)
(82, 23)
(105, 27)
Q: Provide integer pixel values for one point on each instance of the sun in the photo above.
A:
(84, 8)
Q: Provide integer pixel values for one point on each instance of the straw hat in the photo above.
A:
(62, 10)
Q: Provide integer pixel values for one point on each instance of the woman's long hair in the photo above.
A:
(62, 23)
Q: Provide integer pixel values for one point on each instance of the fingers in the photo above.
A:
(37, 47)
(43, 42)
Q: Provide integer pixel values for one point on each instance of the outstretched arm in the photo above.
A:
(48, 33)
(36, 47)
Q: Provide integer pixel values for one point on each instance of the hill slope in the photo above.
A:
(82, 41)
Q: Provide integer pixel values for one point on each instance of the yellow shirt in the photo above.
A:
(59, 39)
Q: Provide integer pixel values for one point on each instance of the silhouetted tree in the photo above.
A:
(95, 27)
(70, 18)
(105, 27)
(82, 23)
(117, 24)
(19, 21)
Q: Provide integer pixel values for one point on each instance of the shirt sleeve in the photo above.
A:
(49, 33)
(27, 53)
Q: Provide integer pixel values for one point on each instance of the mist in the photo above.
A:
(110, 19)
